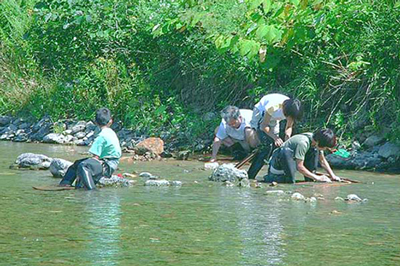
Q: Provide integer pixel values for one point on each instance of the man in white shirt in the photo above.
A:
(267, 114)
(235, 127)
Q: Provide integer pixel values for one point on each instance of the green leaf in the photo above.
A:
(253, 4)
(245, 47)
(249, 47)
(262, 31)
(267, 5)
(295, 2)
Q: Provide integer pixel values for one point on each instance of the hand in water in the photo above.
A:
(324, 178)
(212, 160)
(336, 178)
(278, 142)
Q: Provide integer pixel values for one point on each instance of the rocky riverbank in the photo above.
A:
(374, 153)
(82, 133)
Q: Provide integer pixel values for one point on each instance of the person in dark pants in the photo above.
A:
(106, 152)
(266, 123)
(302, 152)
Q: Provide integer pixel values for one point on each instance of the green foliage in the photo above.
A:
(160, 65)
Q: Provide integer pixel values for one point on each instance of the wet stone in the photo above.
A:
(115, 181)
(33, 161)
(353, 197)
(148, 175)
(275, 192)
(298, 196)
(59, 167)
(228, 172)
(157, 183)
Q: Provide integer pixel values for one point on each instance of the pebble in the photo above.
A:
(298, 196)
(176, 183)
(353, 197)
(157, 183)
(275, 192)
(147, 175)
(211, 166)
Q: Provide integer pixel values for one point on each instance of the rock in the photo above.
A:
(389, 149)
(31, 160)
(228, 184)
(228, 172)
(129, 175)
(353, 197)
(244, 182)
(153, 145)
(298, 196)
(166, 154)
(115, 181)
(312, 199)
(22, 137)
(355, 145)
(5, 120)
(41, 129)
(373, 141)
(183, 155)
(7, 135)
(24, 125)
(157, 183)
(78, 127)
(176, 183)
(211, 166)
(58, 167)
(275, 192)
(339, 199)
(90, 126)
(80, 135)
(54, 138)
(147, 175)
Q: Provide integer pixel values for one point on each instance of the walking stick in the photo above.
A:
(247, 159)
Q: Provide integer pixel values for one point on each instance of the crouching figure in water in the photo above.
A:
(106, 152)
(302, 152)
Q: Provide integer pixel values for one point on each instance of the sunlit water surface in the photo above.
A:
(200, 223)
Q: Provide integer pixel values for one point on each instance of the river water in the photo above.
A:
(200, 223)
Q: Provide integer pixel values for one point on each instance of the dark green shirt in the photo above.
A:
(299, 144)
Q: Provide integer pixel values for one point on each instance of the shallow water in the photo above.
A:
(200, 223)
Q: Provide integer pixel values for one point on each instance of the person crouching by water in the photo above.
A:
(106, 152)
(234, 127)
(267, 115)
(302, 152)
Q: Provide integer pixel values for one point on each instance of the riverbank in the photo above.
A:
(372, 153)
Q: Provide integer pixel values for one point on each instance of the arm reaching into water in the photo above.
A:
(304, 171)
(327, 167)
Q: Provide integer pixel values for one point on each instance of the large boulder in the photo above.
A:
(41, 129)
(5, 120)
(153, 145)
(54, 138)
(78, 127)
(373, 141)
(389, 150)
(33, 161)
(59, 167)
(228, 172)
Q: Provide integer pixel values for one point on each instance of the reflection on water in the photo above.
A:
(201, 223)
(103, 230)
